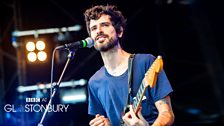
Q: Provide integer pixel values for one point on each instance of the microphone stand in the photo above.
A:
(56, 87)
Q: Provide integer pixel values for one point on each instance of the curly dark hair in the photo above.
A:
(95, 13)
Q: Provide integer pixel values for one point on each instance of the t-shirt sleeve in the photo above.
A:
(94, 106)
(162, 87)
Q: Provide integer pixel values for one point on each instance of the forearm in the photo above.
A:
(166, 115)
(165, 118)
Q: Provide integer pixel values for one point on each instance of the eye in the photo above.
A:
(105, 24)
(93, 28)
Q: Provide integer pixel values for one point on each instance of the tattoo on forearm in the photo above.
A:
(164, 112)
(163, 101)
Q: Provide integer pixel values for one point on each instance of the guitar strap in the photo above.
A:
(130, 76)
(130, 80)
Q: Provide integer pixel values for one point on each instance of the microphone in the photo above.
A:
(88, 42)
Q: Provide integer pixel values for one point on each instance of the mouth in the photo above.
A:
(101, 38)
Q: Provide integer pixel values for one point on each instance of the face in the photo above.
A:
(103, 33)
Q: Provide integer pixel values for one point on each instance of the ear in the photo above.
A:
(120, 34)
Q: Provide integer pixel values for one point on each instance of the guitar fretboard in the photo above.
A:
(139, 96)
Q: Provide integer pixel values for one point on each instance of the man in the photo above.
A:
(108, 87)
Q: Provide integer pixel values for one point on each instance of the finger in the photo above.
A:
(140, 113)
(93, 121)
(102, 124)
(107, 122)
(132, 113)
(98, 122)
(126, 118)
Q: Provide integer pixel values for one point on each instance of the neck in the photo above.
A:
(115, 60)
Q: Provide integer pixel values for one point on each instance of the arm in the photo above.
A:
(166, 115)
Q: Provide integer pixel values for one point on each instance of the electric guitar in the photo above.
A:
(149, 80)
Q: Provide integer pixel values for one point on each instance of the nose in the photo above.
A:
(99, 30)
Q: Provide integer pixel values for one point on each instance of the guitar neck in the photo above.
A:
(138, 99)
(141, 91)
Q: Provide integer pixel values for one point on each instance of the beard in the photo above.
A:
(109, 45)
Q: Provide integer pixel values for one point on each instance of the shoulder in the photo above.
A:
(144, 58)
(98, 75)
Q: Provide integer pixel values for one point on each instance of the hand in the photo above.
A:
(99, 120)
(130, 119)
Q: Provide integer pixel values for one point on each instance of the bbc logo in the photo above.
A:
(32, 99)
